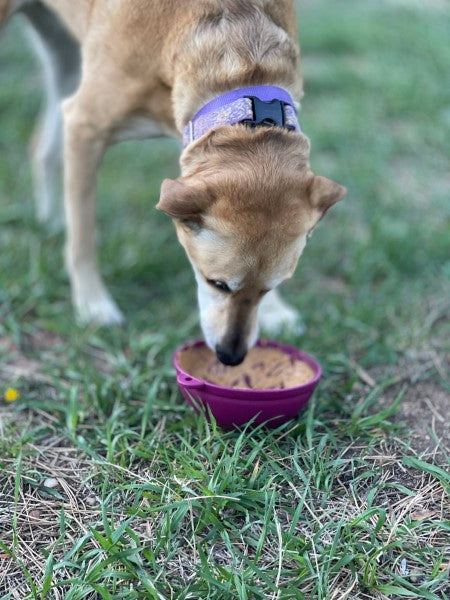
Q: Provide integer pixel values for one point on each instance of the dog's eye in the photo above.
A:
(219, 285)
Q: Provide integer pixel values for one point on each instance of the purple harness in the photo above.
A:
(264, 105)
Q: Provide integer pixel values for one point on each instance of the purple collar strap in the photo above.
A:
(259, 105)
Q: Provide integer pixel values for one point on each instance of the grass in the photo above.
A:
(110, 487)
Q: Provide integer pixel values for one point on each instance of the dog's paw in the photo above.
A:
(276, 316)
(99, 308)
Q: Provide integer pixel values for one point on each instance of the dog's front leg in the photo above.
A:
(85, 140)
(276, 315)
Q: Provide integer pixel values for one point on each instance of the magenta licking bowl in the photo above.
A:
(233, 407)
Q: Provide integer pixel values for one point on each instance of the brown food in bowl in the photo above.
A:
(264, 368)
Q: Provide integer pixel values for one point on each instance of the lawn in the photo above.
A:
(110, 486)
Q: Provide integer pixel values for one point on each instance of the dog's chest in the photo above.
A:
(138, 128)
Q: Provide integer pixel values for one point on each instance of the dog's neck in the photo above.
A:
(232, 51)
(255, 106)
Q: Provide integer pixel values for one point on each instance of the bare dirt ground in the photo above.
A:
(425, 406)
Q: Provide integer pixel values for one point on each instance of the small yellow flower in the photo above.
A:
(11, 394)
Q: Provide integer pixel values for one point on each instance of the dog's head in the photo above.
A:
(244, 209)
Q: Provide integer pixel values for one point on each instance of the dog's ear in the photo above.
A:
(182, 200)
(323, 193)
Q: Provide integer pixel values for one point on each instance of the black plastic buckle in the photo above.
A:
(269, 113)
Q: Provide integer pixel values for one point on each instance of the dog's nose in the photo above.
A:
(229, 356)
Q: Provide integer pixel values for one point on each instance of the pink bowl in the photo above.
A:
(234, 407)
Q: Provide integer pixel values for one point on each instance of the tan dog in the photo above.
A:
(246, 201)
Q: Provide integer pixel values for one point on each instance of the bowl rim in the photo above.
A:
(187, 380)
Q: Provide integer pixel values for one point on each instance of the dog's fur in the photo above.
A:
(247, 199)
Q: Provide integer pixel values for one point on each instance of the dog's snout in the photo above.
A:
(230, 356)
